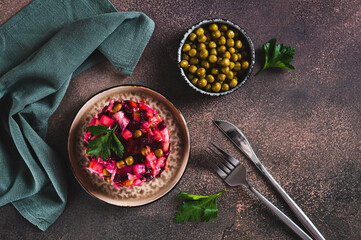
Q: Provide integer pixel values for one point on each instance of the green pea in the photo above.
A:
(192, 52)
(201, 71)
(200, 31)
(205, 64)
(216, 34)
(230, 34)
(225, 87)
(245, 64)
(212, 58)
(225, 70)
(208, 87)
(225, 62)
(237, 66)
(233, 83)
(214, 71)
(213, 51)
(210, 78)
(224, 28)
(184, 64)
(194, 61)
(222, 41)
(222, 49)
(185, 56)
(186, 47)
(227, 55)
(230, 42)
(201, 46)
(212, 44)
(203, 54)
(216, 87)
(230, 75)
(213, 27)
(192, 36)
(238, 44)
(202, 83)
(195, 81)
(192, 69)
(221, 77)
(202, 38)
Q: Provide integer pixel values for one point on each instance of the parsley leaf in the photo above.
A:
(196, 207)
(117, 146)
(102, 146)
(277, 56)
(98, 130)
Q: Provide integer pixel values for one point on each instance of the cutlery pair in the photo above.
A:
(235, 174)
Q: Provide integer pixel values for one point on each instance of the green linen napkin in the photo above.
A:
(41, 49)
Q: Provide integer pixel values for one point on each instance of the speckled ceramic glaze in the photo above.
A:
(149, 191)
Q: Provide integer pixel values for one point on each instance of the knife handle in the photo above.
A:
(294, 207)
(281, 215)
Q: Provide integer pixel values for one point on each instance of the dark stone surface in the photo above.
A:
(304, 125)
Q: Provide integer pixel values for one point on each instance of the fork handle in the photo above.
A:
(294, 207)
(281, 215)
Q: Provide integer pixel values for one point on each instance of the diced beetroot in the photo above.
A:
(127, 134)
(86, 137)
(150, 111)
(107, 121)
(165, 137)
(109, 164)
(160, 162)
(145, 126)
(111, 104)
(151, 160)
(138, 169)
(122, 120)
(165, 146)
(132, 146)
(139, 181)
(153, 121)
(156, 135)
(123, 171)
(165, 134)
(131, 176)
(155, 171)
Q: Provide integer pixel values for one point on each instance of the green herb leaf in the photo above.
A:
(277, 56)
(117, 146)
(102, 146)
(98, 130)
(196, 207)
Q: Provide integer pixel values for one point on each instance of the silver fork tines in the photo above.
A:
(235, 174)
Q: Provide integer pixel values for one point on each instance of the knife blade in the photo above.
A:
(241, 142)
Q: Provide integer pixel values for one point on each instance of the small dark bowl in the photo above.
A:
(247, 42)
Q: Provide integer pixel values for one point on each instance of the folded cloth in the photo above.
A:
(41, 49)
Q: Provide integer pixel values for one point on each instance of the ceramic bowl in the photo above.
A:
(248, 48)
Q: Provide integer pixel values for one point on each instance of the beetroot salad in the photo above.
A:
(127, 143)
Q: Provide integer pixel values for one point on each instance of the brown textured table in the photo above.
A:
(305, 125)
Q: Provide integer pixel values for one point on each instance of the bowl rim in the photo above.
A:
(179, 176)
(245, 35)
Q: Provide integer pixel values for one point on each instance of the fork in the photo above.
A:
(235, 174)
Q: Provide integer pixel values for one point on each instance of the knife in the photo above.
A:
(241, 142)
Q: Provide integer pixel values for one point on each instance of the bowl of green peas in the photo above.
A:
(216, 57)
